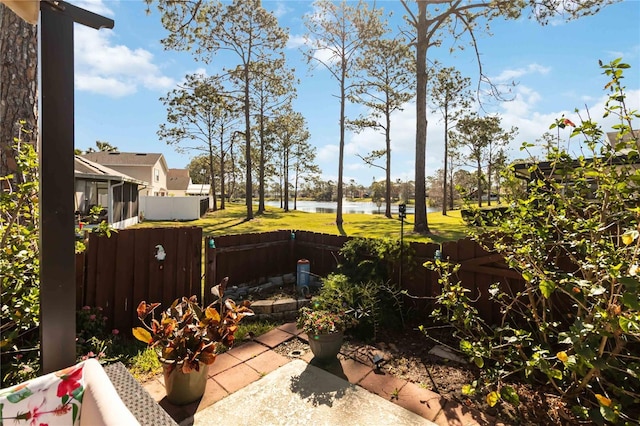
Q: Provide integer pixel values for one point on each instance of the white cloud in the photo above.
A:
(104, 86)
(98, 59)
(512, 74)
(328, 152)
(281, 9)
(296, 41)
(525, 99)
(95, 6)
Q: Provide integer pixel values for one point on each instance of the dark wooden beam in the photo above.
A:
(79, 15)
(57, 234)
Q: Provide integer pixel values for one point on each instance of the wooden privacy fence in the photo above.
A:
(251, 258)
(117, 273)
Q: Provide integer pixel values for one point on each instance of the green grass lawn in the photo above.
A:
(232, 221)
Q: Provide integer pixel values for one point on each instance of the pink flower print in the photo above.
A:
(70, 381)
(35, 410)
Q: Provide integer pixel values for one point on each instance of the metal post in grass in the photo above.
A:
(402, 209)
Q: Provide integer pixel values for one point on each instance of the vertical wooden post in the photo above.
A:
(57, 258)
(57, 235)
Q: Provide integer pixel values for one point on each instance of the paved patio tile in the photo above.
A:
(363, 354)
(456, 414)
(290, 328)
(382, 384)
(354, 370)
(223, 362)
(212, 394)
(177, 413)
(308, 356)
(247, 351)
(155, 388)
(274, 337)
(237, 377)
(421, 401)
(267, 361)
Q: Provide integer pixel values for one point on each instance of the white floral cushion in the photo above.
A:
(52, 399)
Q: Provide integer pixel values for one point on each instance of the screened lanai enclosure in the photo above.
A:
(105, 194)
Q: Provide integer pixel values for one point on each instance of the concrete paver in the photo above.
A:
(237, 377)
(223, 362)
(247, 351)
(274, 337)
(354, 370)
(421, 401)
(385, 385)
(303, 391)
(267, 361)
(290, 328)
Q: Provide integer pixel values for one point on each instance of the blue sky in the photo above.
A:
(120, 75)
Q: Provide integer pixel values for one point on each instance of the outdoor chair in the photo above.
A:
(83, 394)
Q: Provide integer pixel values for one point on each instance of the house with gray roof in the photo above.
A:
(147, 167)
(178, 181)
(116, 193)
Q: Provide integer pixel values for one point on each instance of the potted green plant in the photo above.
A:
(325, 329)
(186, 339)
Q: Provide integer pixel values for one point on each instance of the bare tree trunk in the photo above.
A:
(387, 195)
(222, 180)
(446, 155)
(261, 167)
(18, 85)
(286, 178)
(247, 146)
(212, 187)
(341, 157)
(420, 225)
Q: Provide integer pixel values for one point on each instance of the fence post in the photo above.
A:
(211, 259)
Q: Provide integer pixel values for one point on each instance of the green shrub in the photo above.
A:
(373, 259)
(574, 237)
(489, 216)
(93, 340)
(20, 269)
(372, 303)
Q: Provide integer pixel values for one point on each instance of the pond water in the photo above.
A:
(347, 207)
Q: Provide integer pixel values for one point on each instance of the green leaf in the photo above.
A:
(20, 395)
(630, 300)
(547, 287)
(466, 347)
(74, 415)
(630, 282)
(510, 395)
(479, 361)
(628, 325)
(554, 373)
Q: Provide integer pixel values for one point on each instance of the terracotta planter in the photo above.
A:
(325, 346)
(184, 388)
